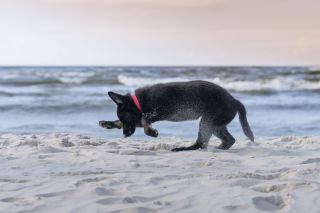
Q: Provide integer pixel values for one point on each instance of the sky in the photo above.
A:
(166, 32)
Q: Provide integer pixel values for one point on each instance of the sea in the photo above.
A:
(35, 100)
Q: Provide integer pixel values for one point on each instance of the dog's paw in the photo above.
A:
(179, 149)
(224, 146)
(103, 124)
(152, 132)
(106, 124)
(155, 133)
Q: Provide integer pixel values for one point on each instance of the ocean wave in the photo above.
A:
(6, 94)
(41, 77)
(59, 108)
(143, 81)
(276, 84)
(314, 72)
(246, 79)
(68, 77)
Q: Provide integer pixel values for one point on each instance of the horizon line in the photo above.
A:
(214, 65)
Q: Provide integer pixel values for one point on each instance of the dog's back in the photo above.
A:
(180, 101)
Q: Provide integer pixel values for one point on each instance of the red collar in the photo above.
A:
(136, 102)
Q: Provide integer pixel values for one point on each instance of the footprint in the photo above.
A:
(271, 203)
(45, 156)
(119, 200)
(29, 143)
(55, 194)
(130, 200)
(162, 203)
(251, 176)
(161, 146)
(104, 192)
(113, 143)
(90, 180)
(51, 149)
(11, 199)
(311, 160)
(245, 182)
(90, 143)
(13, 180)
(134, 209)
(66, 143)
(137, 152)
(279, 187)
(108, 201)
(236, 207)
(271, 188)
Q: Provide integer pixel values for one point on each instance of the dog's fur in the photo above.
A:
(181, 101)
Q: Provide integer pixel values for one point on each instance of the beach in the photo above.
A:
(55, 158)
(80, 173)
(94, 95)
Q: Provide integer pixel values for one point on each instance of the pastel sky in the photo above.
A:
(154, 32)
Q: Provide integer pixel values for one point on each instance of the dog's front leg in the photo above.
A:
(148, 130)
(111, 124)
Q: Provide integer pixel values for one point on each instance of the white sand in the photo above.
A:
(74, 173)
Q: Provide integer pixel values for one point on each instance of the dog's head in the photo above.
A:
(127, 112)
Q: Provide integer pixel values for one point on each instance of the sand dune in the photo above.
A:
(76, 173)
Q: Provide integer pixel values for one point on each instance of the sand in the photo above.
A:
(77, 173)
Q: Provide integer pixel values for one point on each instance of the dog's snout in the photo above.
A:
(128, 131)
(127, 134)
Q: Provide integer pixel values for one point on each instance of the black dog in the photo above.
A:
(180, 102)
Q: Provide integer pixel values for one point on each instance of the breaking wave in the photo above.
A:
(275, 84)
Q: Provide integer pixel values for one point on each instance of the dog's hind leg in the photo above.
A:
(227, 140)
(204, 134)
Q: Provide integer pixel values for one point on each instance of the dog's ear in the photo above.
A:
(117, 98)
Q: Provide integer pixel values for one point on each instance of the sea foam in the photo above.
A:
(275, 84)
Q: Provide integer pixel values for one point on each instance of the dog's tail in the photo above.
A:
(243, 120)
